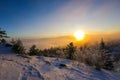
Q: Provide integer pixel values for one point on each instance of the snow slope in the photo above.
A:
(17, 67)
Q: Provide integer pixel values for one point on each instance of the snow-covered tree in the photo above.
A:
(70, 50)
(33, 50)
(102, 44)
(106, 57)
(3, 35)
(18, 47)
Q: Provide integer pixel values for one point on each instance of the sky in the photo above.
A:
(41, 18)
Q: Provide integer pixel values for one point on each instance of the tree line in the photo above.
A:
(97, 56)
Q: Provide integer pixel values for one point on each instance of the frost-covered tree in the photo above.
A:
(3, 35)
(106, 57)
(102, 44)
(18, 47)
(70, 50)
(33, 51)
(108, 62)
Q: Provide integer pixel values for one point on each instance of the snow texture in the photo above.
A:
(19, 67)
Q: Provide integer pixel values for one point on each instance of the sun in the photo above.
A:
(79, 35)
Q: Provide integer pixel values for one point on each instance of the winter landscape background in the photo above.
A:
(59, 39)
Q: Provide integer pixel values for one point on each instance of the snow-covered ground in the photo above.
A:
(17, 67)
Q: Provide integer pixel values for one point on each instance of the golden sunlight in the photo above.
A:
(79, 35)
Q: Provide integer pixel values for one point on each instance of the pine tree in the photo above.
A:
(33, 50)
(106, 57)
(108, 62)
(18, 47)
(70, 50)
(3, 35)
(102, 44)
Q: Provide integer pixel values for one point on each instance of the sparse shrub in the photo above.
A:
(61, 53)
(95, 56)
(53, 52)
(33, 51)
(18, 47)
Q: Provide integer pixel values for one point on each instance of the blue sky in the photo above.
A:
(40, 18)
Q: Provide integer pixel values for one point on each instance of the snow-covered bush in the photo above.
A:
(90, 57)
(62, 53)
(95, 56)
(51, 52)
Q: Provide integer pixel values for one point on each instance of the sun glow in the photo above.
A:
(79, 35)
